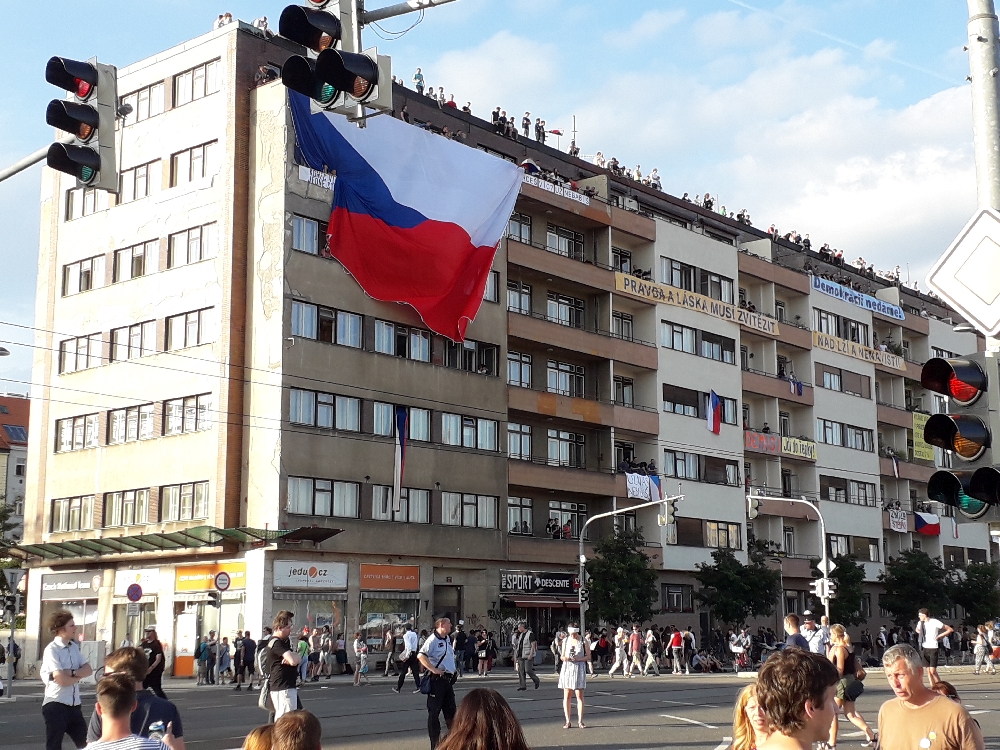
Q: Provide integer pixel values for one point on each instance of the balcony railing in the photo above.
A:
(585, 327)
(577, 257)
(560, 464)
(776, 377)
(610, 402)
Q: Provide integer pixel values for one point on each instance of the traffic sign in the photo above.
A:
(967, 276)
(134, 592)
(132, 609)
(826, 567)
(222, 580)
(13, 576)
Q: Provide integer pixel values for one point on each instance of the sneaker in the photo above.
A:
(395, 690)
(238, 689)
(873, 742)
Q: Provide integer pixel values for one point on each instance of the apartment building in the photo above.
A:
(239, 390)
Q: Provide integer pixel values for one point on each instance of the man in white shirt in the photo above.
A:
(816, 637)
(438, 657)
(408, 659)
(63, 666)
(931, 631)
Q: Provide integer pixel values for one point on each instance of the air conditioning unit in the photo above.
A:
(631, 203)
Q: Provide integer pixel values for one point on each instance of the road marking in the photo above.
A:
(689, 721)
(683, 703)
(980, 711)
(609, 708)
(725, 743)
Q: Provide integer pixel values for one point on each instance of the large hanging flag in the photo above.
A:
(402, 432)
(416, 218)
(927, 523)
(713, 419)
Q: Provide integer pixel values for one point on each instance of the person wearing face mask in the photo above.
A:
(573, 673)
(750, 724)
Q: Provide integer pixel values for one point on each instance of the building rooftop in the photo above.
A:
(13, 422)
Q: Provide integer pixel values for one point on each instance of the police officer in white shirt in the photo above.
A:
(63, 666)
(816, 637)
(438, 657)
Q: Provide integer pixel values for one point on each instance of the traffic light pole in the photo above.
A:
(31, 160)
(984, 61)
(583, 558)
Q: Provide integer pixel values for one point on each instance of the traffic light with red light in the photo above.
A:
(89, 116)
(970, 383)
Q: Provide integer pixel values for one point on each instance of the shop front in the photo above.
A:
(315, 591)
(129, 624)
(195, 613)
(75, 592)
(546, 600)
(390, 597)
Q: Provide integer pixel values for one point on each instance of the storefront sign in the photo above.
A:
(857, 351)
(147, 578)
(897, 521)
(921, 448)
(551, 187)
(69, 586)
(760, 442)
(296, 574)
(669, 295)
(202, 577)
(390, 577)
(537, 582)
(798, 447)
(846, 294)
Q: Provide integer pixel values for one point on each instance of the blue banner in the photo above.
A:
(847, 294)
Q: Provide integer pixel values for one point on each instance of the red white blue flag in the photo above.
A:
(416, 218)
(402, 432)
(713, 419)
(927, 523)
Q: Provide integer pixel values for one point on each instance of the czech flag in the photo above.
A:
(416, 218)
(402, 416)
(927, 523)
(713, 419)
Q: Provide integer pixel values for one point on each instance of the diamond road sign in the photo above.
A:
(967, 276)
(826, 569)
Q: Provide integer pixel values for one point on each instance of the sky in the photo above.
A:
(849, 120)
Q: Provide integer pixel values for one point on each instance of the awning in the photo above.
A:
(539, 601)
(193, 538)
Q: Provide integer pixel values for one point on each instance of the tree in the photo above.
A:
(621, 585)
(849, 575)
(5, 560)
(912, 581)
(737, 592)
(975, 590)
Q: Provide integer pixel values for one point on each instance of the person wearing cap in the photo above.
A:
(153, 649)
(817, 639)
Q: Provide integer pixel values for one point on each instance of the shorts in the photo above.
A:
(314, 657)
(930, 656)
(284, 701)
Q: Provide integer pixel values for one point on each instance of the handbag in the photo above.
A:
(264, 699)
(427, 677)
(860, 674)
(854, 690)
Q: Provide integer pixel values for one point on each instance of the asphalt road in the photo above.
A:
(643, 713)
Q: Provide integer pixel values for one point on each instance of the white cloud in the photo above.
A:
(648, 27)
(880, 49)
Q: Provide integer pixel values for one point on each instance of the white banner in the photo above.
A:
(638, 485)
(148, 578)
(297, 574)
(897, 521)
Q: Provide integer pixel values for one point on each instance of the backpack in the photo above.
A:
(263, 668)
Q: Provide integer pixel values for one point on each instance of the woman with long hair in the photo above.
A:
(573, 673)
(849, 688)
(982, 650)
(484, 721)
(750, 724)
(259, 738)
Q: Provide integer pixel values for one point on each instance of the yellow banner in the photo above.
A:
(669, 295)
(798, 447)
(921, 449)
(857, 351)
(202, 577)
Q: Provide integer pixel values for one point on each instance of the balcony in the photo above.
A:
(765, 384)
(780, 508)
(634, 418)
(770, 443)
(537, 473)
(787, 332)
(633, 223)
(543, 550)
(914, 323)
(538, 258)
(597, 211)
(897, 416)
(751, 265)
(907, 469)
(600, 344)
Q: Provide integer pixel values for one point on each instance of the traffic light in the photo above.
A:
(10, 604)
(830, 588)
(966, 431)
(817, 588)
(670, 510)
(215, 599)
(89, 117)
(753, 506)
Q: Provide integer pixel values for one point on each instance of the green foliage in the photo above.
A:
(975, 590)
(621, 583)
(912, 581)
(736, 592)
(849, 575)
(5, 561)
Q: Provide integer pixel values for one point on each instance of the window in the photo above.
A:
(784, 423)
(130, 508)
(190, 329)
(675, 273)
(720, 471)
(678, 598)
(83, 276)
(680, 465)
(324, 410)
(473, 511)
(469, 432)
(825, 322)
(833, 489)
(486, 434)
(190, 414)
(76, 433)
(414, 505)
(564, 242)
(451, 429)
(80, 353)
(716, 286)
(146, 102)
(566, 449)
(401, 341)
(192, 164)
(519, 228)
(861, 493)
(681, 400)
(322, 497)
(829, 432)
(192, 245)
(301, 406)
(566, 378)
(719, 348)
(196, 83)
(420, 424)
(304, 318)
(308, 235)
(519, 441)
(385, 419)
(519, 297)
(624, 391)
(519, 369)
(139, 182)
(728, 406)
(788, 540)
(566, 311)
(519, 519)
(677, 337)
(72, 514)
(349, 327)
(133, 341)
(138, 260)
(621, 260)
(621, 326)
(492, 291)
(184, 502)
(831, 377)
(85, 201)
(838, 545)
(472, 356)
(128, 425)
(719, 534)
(858, 438)
(855, 331)
(779, 311)
(848, 436)
(573, 515)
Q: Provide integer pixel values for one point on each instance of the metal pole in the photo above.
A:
(399, 9)
(10, 648)
(984, 65)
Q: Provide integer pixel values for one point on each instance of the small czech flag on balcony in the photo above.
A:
(714, 416)
(927, 523)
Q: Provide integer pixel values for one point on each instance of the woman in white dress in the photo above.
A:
(621, 655)
(573, 675)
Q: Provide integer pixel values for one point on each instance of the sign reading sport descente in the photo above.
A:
(669, 295)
